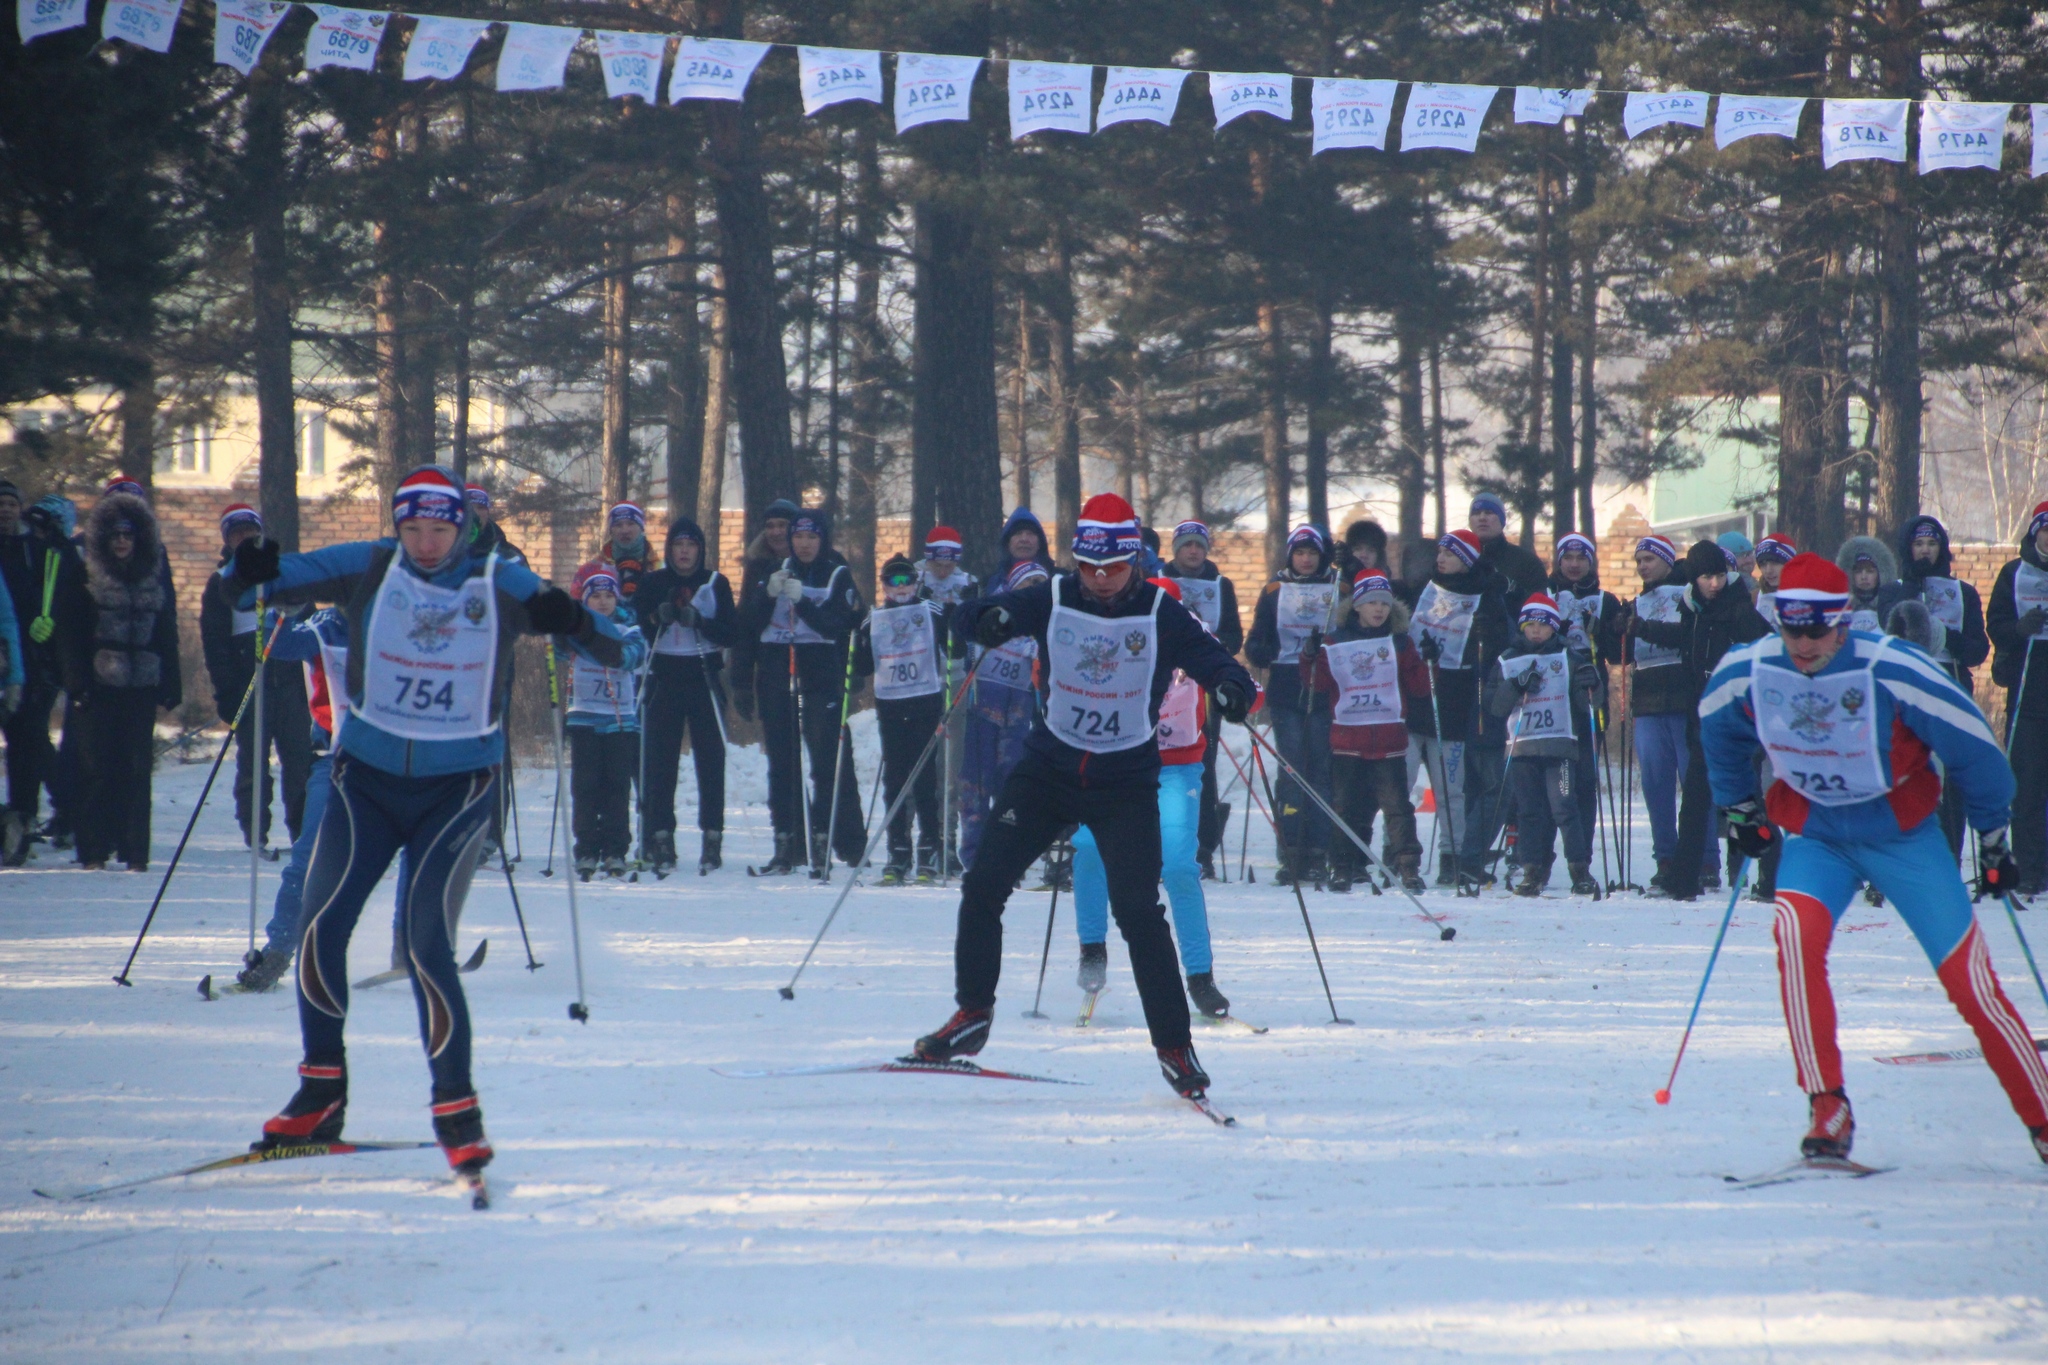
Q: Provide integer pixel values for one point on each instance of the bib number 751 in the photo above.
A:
(1094, 724)
(421, 694)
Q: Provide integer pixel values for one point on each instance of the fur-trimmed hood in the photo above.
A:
(99, 539)
(1867, 547)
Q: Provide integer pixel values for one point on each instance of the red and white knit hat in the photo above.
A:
(1370, 585)
(239, 514)
(1542, 607)
(2039, 520)
(1107, 531)
(429, 491)
(1811, 592)
(1777, 546)
(1464, 544)
(942, 542)
(1658, 546)
(121, 483)
(1572, 540)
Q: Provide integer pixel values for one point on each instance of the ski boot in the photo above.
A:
(1447, 869)
(1761, 894)
(13, 839)
(1183, 1071)
(1317, 872)
(1341, 878)
(1207, 864)
(1658, 890)
(1202, 990)
(1410, 870)
(265, 966)
(614, 866)
(1833, 1129)
(785, 856)
(713, 855)
(1582, 880)
(1872, 896)
(1094, 973)
(660, 854)
(821, 859)
(1285, 874)
(56, 832)
(586, 866)
(314, 1114)
(965, 1034)
(897, 871)
(2040, 1136)
(928, 867)
(1710, 875)
(459, 1128)
(1534, 879)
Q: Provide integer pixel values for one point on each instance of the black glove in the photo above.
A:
(256, 561)
(743, 703)
(1429, 647)
(1997, 873)
(1531, 678)
(2030, 624)
(992, 627)
(1234, 700)
(1312, 647)
(686, 615)
(665, 613)
(1751, 829)
(553, 612)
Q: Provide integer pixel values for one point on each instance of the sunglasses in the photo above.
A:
(1819, 632)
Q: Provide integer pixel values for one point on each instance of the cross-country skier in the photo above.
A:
(1302, 600)
(604, 730)
(903, 643)
(1852, 722)
(1111, 643)
(1001, 705)
(687, 607)
(431, 630)
(2017, 621)
(941, 581)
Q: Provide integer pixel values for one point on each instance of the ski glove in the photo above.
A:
(992, 627)
(1530, 679)
(1235, 701)
(256, 561)
(553, 612)
(1429, 647)
(1751, 829)
(1997, 873)
(41, 629)
(1312, 648)
(2030, 624)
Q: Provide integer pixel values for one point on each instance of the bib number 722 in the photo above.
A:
(1821, 782)
(421, 694)
(1094, 724)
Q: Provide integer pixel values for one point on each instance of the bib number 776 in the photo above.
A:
(422, 695)
(1094, 724)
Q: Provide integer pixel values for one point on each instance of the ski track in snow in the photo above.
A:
(1476, 1171)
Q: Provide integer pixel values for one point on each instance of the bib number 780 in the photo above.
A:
(422, 695)
(1094, 724)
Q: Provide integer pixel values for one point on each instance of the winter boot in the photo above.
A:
(713, 855)
(1183, 1071)
(314, 1114)
(1410, 869)
(614, 865)
(266, 965)
(1207, 864)
(965, 1034)
(586, 866)
(459, 1128)
(1202, 990)
(1710, 874)
(661, 853)
(1341, 878)
(13, 839)
(1534, 879)
(1094, 974)
(1833, 1129)
(785, 856)
(821, 858)
(1872, 896)
(1582, 880)
(1316, 871)
(1761, 894)
(1446, 869)
(928, 867)
(898, 869)
(1657, 889)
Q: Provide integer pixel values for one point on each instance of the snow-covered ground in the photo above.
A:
(1474, 1170)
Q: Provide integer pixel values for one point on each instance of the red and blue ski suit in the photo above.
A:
(1888, 840)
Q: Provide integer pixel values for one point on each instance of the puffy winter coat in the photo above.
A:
(2020, 659)
(1373, 741)
(1958, 650)
(121, 630)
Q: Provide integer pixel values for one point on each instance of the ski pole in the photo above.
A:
(840, 748)
(504, 863)
(512, 801)
(1444, 800)
(640, 744)
(909, 784)
(259, 799)
(197, 806)
(580, 1010)
(1300, 900)
(1734, 892)
(803, 795)
(1593, 772)
(555, 805)
(1045, 958)
(1261, 742)
(2012, 913)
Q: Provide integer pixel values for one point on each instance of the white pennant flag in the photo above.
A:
(2038, 167)
(145, 23)
(35, 18)
(345, 38)
(242, 29)
(1048, 97)
(1146, 94)
(1956, 136)
(714, 69)
(1642, 112)
(535, 56)
(1445, 116)
(1542, 104)
(1739, 116)
(833, 74)
(1862, 130)
(440, 47)
(1350, 113)
(632, 63)
(1237, 93)
(933, 89)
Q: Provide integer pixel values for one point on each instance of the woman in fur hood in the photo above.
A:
(120, 657)
(1870, 564)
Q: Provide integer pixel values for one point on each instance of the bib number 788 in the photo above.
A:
(422, 695)
(1094, 724)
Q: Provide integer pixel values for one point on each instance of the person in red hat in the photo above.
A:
(1110, 643)
(1543, 686)
(2017, 621)
(1854, 723)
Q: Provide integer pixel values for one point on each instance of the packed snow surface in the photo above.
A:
(1474, 1169)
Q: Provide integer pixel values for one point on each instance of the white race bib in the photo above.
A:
(333, 666)
(1180, 713)
(595, 690)
(1658, 604)
(1446, 617)
(2030, 590)
(1009, 664)
(1368, 676)
(677, 638)
(785, 627)
(1203, 597)
(1821, 733)
(1101, 678)
(1546, 710)
(1581, 618)
(906, 651)
(1944, 599)
(242, 622)
(1302, 608)
(1865, 618)
(1767, 607)
(431, 656)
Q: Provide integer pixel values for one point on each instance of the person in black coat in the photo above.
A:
(689, 617)
(1304, 601)
(119, 644)
(39, 568)
(2017, 621)
(1518, 565)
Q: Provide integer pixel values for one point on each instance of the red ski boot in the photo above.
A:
(459, 1128)
(965, 1034)
(1834, 1126)
(1183, 1071)
(313, 1115)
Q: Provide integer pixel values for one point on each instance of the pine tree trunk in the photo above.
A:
(717, 406)
(683, 394)
(1899, 396)
(956, 464)
(1563, 464)
(1020, 391)
(864, 361)
(1436, 432)
(270, 303)
(1408, 467)
(138, 423)
(1066, 409)
(618, 376)
(1272, 387)
(1318, 385)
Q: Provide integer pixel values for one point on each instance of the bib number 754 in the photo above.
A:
(1094, 724)
(421, 694)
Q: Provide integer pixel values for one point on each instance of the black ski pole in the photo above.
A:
(1299, 899)
(531, 964)
(1444, 800)
(1045, 958)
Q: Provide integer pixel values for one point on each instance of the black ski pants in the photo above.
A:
(685, 693)
(30, 754)
(1695, 820)
(1034, 805)
(601, 772)
(777, 707)
(907, 725)
(118, 735)
(828, 749)
(1365, 787)
(1546, 806)
(288, 733)
(2028, 753)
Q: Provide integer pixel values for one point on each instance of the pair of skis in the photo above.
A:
(1961, 1054)
(471, 1181)
(956, 1067)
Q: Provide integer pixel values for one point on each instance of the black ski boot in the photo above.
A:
(928, 867)
(2040, 1139)
(1094, 974)
(614, 865)
(1340, 879)
(965, 1034)
(1410, 869)
(314, 1114)
(459, 1128)
(821, 859)
(1533, 880)
(266, 965)
(660, 853)
(785, 857)
(14, 838)
(1582, 880)
(713, 856)
(586, 866)
(897, 871)
(1659, 889)
(1207, 864)
(1183, 1071)
(1446, 869)
(1202, 990)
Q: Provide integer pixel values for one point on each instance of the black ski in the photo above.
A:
(1812, 1167)
(291, 1153)
(957, 1067)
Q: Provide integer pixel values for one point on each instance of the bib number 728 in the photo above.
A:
(422, 695)
(1094, 724)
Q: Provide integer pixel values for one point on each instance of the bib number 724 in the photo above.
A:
(1094, 724)
(421, 694)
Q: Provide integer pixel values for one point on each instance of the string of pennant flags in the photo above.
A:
(1052, 97)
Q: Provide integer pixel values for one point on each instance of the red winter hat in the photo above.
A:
(2039, 520)
(1464, 544)
(1812, 591)
(1542, 607)
(1107, 531)
(1776, 546)
(942, 542)
(239, 514)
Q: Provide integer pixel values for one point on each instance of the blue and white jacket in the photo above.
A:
(349, 573)
(300, 643)
(1921, 710)
(633, 653)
